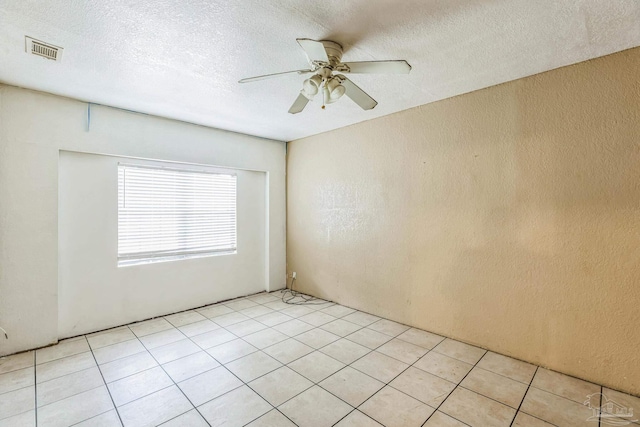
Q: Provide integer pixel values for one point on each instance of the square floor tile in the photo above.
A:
(184, 318)
(138, 385)
(68, 385)
(110, 336)
(317, 318)
(293, 327)
(232, 350)
(280, 385)
(17, 361)
(209, 385)
(421, 338)
(230, 319)
(503, 389)
(277, 305)
(564, 385)
(198, 328)
(296, 311)
(508, 367)
(361, 318)
(476, 410)
(358, 419)
(60, 367)
(440, 419)
(173, 351)
(351, 385)
(75, 409)
(126, 366)
(380, 366)
(338, 310)
(625, 400)
(392, 408)
(213, 338)
(62, 349)
(240, 304)
(345, 351)
(273, 418)
(459, 350)
(423, 386)
(273, 319)
(118, 351)
(316, 366)
(555, 409)
(106, 419)
(315, 408)
(155, 408)
(17, 379)
(258, 310)
(443, 366)
(317, 338)
(250, 367)
(190, 366)
(246, 327)
(214, 311)
(264, 298)
(266, 338)
(159, 339)
(287, 351)
(341, 327)
(17, 401)
(25, 419)
(149, 327)
(388, 327)
(235, 409)
(402, 350)
(525, 420)
(188, 419)
(369, 338)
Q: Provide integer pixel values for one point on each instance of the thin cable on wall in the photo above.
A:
(5, 332)
(290, 296)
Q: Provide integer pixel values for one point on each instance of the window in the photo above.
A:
(170, 213)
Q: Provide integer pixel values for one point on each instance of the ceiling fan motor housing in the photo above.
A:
(334, 52)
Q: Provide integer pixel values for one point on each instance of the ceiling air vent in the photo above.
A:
(42, 49)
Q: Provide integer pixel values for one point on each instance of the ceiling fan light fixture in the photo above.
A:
(311, 86)
(334, 90)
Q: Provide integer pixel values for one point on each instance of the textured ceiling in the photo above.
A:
(182, 58)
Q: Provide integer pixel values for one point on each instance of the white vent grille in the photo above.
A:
(42, 49)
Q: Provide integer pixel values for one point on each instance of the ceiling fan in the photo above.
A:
(325, 58)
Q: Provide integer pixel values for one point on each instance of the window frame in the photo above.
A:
(141, 258)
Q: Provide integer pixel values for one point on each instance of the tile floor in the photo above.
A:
(259, 362)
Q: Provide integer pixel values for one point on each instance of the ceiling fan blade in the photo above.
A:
(299, 104)
(270, 76)
(314, 49)
(378, 67)
(357, 95)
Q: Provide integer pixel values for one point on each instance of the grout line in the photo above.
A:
(96, 416)
(523, 397)
(600, 410)
(454, 389)
(104, 382)
(174, 383)
(35, 387)
(274, 311)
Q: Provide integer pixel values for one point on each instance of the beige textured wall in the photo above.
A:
(508, 218)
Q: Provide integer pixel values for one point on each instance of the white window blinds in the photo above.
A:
(166, 213)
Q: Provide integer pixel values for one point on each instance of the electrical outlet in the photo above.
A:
(293, 275)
